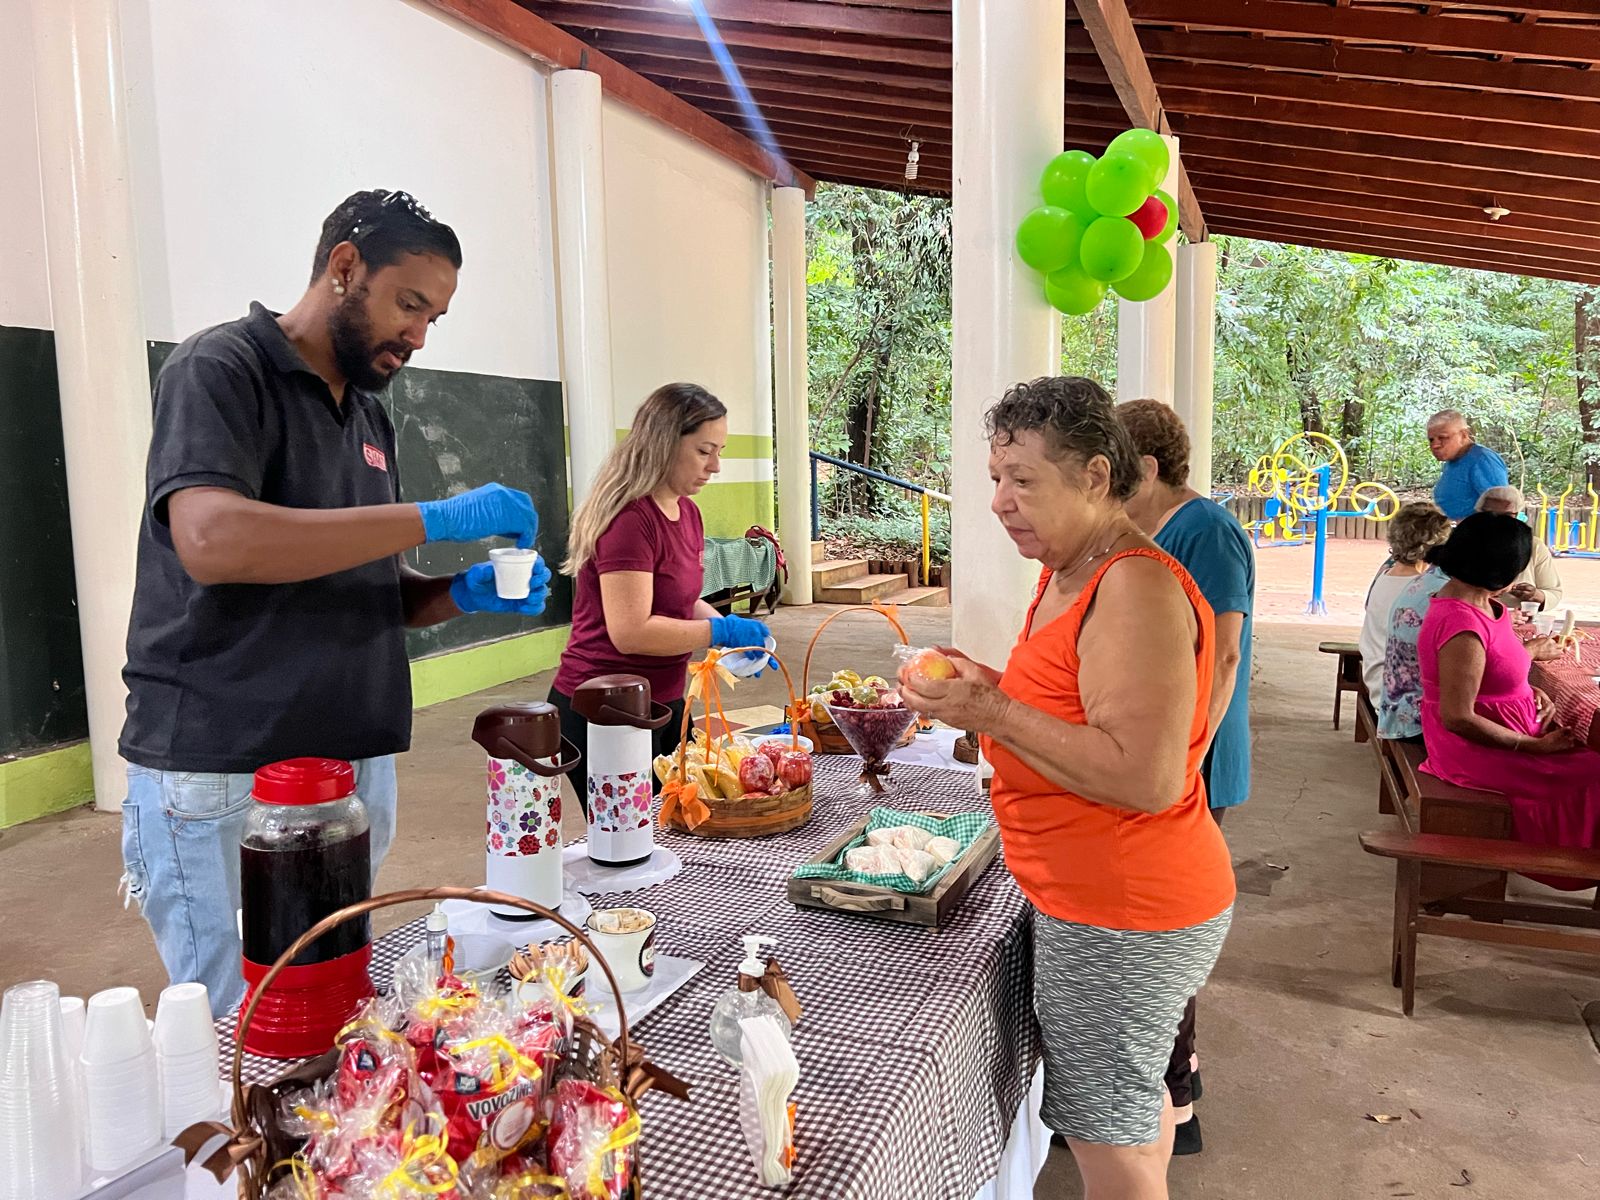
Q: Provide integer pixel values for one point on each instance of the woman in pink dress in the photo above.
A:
(1484, 726)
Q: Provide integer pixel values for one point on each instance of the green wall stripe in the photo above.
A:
(462, 672)
(46, 783)
(740, 445)
(728, 509)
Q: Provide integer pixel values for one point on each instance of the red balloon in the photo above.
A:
(1150, 217)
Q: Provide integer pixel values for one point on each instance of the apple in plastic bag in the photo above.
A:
(929, 666)
(794, 768)
(756, 773)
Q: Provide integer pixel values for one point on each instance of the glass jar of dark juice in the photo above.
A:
(305, 853)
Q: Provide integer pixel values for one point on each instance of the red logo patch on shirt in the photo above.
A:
(374, 456)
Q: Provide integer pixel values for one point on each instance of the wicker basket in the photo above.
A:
(826, 739)
(259, 1148)
(736, 818)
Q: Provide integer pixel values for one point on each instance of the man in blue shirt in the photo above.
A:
(1469, 469)
(1216, 552)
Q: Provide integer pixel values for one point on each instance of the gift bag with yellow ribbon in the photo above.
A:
(720, 785)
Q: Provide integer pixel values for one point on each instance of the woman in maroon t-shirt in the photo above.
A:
(636, 550)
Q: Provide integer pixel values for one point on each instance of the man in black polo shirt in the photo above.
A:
(271, 603)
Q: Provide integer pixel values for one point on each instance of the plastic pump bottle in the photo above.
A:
(745, 999)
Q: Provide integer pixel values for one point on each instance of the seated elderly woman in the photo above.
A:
(1096, 730)
(1413, 529)
(1539, 582)
(1484, 726)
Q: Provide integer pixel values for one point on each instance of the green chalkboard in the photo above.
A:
(41, 660)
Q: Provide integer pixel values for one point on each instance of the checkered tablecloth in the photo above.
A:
(1571, 685)
(738, 562)
(916, 1047)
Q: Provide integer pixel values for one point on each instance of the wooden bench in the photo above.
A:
(1347, 675)
(1427, 804)
(1475, 919)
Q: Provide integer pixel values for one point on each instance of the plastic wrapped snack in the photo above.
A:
(943, 849)
(593, 1132)
(871, 860)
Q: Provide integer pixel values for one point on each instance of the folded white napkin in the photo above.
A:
(766, 1080)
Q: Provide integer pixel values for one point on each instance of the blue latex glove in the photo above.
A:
(492, 510)
(473, 591)
(737, 631)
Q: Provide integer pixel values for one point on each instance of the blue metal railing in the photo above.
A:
(927, 493)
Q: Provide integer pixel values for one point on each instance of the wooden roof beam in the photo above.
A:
(632, 47)
(1462, 138)
(780, 37)
(1367, 169)
(1360, 62)
(1459, 230)
(1288, 18)
(1410, 99)
(1232, 227)
(518, 28)
(1523, 169)
(873, 21)
(1114, 38)
(1529, 213)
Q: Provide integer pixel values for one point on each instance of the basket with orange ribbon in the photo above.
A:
(720, 785)
(811, 718)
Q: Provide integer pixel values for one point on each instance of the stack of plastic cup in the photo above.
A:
(122, 1090)
(72, 1015)
(41, 1156)
(186, 1051)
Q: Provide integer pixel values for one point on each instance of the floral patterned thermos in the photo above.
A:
(522, 841)
(621, 718)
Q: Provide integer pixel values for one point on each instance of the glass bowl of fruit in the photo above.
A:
(873, 720)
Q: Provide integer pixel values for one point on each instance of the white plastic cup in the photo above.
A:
(183, 1021)
(123, 1103)
(115, 1028)
(41, 1148)
(513, 571)
(1544, 624)
(747, 663)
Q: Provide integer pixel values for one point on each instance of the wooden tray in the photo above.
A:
(751, 818)
(932, 908)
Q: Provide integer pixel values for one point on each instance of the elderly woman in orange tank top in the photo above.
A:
(1096, 729)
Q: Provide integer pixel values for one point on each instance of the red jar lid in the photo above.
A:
(305, 781)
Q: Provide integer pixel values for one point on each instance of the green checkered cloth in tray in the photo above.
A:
(738, 562)
(965, 828)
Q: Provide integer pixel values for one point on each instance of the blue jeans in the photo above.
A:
(180, 857)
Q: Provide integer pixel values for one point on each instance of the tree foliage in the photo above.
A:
(1360, 347)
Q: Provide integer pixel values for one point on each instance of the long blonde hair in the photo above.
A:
(639, 463)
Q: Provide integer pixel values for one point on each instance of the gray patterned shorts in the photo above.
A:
(1109, 1002)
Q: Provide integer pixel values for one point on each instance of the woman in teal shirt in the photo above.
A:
(1216, 551)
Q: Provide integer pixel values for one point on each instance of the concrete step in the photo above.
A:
(921, 597)
(819, 551)
(863, 589)
(828, 572)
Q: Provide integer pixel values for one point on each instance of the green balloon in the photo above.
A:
(1111, 249)
(1171, 227)
(1148, 147)
(1047, 239)
(1062, 183)
(1151, 276)
(1117, 184)
(1073, 292)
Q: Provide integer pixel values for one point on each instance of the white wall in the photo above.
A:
(252, 119)
(688, 271)
(24, 283)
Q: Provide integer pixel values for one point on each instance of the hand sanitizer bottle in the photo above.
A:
(745, 999)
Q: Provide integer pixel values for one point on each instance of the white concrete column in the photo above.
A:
(581, 282)
(1196, 349)
(1145, 329)
(80, 99)
(1008, 97)
(789, 386)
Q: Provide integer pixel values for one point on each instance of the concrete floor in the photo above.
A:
(1496, 1075)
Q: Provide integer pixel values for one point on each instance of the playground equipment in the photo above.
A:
(1302, 482)
(1571, 537)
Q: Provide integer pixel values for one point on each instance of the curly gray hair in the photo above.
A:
(1077, 420)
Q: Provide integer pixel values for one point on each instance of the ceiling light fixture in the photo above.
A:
(911, 163)
(1494, 212)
